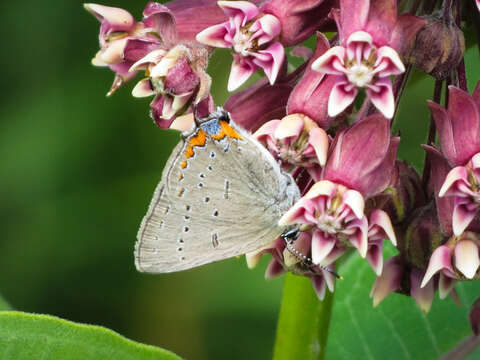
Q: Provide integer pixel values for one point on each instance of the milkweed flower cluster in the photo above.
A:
(329, 123)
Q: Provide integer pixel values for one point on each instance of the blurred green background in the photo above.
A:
(76, 176)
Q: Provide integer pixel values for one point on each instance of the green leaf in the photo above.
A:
(28, 336)
(303, 323)
(397, 328)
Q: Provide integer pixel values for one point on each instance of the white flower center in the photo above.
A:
(359, 75)
(242, 43)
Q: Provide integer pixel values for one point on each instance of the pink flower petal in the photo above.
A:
(354, 200)
(341, 96)
(184, 123)
(354, 15)
(393, 65)
(381, 95)
(459, 173)
(331, 62)
(440, 259)
(323, 187)
(266, 131)
(462, 216)
(321, 246)
(319, 286)
(214, 36)
(445, 285)
(359, 238)
(143, 89)
(244, 10)
(241, 70)
(379, 218)
(118, 18)
(389, 281)
(423, 295)
(274, 269)
(269, 27)
(270, 60)
(318, 138)
(152, 57)
(375, 257)
(467, 260)
(290, 126)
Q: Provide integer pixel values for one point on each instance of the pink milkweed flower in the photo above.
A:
(296, 140)
(294, 259)
(458, 258)
(359, 166)
(371, 38)
(459, 136)
(117, 28)
(252, 37)
(176, 77)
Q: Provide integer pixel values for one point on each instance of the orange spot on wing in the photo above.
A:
(197, 140)
(183, 165)
(226, 130)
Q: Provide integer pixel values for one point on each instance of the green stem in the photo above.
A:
(303, 322)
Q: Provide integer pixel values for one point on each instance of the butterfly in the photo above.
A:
(221, 195)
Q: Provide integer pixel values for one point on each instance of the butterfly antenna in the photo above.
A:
(289, 237)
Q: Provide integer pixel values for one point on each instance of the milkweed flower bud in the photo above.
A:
(438, 47)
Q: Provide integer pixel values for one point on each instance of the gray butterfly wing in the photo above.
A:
(226, 202)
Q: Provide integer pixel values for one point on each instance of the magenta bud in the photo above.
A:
(363, 156)
(458, 125)
(299, 19)
(438, 47)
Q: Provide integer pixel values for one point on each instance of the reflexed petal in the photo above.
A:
(389, 281)
(341, 96)
(380, 218)
(445, 131)
(390, 57)
(270, 60)
(241, 70)
(113, 53)
(291, 125)
(184, 123)
(330, 61)
(323, 187)
(117, 18)
(214, 36)
(462, 215)
(440, 259)
(239, 9)
(321, 246)
(318, 138)
(143, 89)
(382, 97)
(375, 257)
(354, 15)
(319, 286)
(354, 200)
(445, 285)
(271, 26)
(152, 57)
(467, 260)
(162, 20)
(423, 295)
(459, 173)
(274, 269)
(359, 239)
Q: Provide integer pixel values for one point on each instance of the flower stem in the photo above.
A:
(303, 322)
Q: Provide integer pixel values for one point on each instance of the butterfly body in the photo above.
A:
(221, 195)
